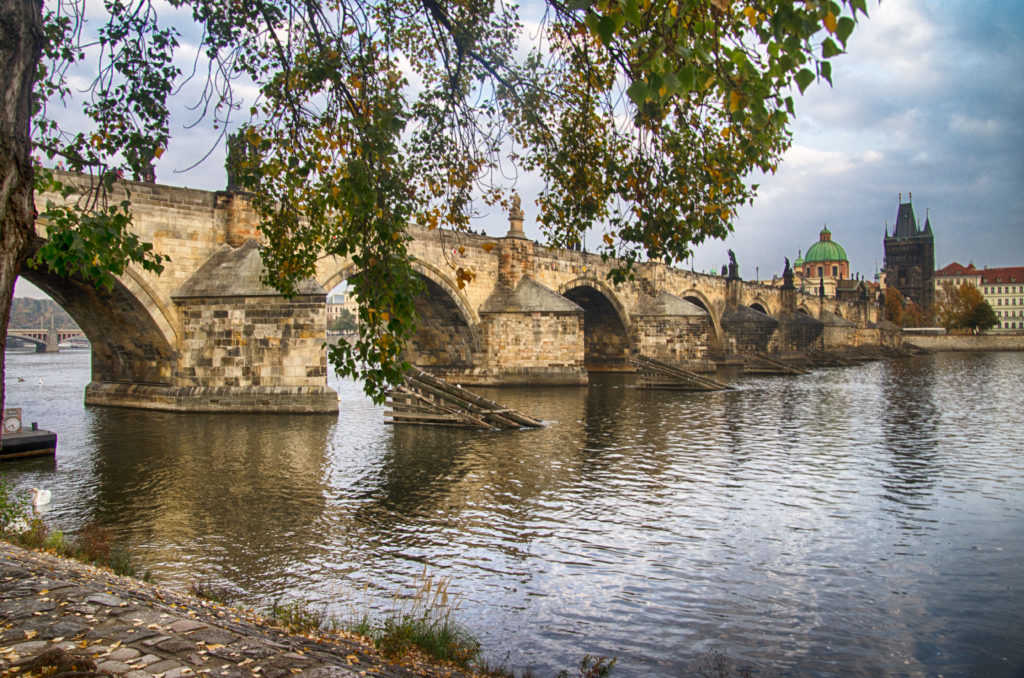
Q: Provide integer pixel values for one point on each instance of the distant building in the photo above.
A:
(957, 275)
(1002, 288)
(910, 257)
(824, 266)
(337, 304)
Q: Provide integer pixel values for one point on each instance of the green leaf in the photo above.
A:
(829, 49)
(639, 92)
(803, 79)
(687, 78)
(826, 71)
(844, 29)
(631, 11)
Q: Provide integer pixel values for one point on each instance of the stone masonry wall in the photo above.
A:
(257, 341)
(533, 348)
(672, 339)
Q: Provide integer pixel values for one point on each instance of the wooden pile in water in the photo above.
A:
(655, 374)
(427, 400)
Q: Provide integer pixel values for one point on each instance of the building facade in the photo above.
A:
(910, 257)
(1002, 288)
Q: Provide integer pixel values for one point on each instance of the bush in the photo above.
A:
(13, 509)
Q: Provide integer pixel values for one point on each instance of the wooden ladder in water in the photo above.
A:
(779, 365)
(429, 400)
(655, 374)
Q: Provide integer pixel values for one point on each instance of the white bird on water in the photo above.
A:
(40, 497)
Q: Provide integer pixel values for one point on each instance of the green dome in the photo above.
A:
(825, 249)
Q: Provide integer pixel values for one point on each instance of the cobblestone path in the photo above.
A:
(91, 621)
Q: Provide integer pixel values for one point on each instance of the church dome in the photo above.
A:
(825, 249)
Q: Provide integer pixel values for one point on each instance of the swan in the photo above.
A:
(40, 497)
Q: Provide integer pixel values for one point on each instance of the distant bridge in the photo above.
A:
(207, 335)
(45, 340)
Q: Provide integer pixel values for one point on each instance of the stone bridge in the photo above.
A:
(206, 335)
(45, 340)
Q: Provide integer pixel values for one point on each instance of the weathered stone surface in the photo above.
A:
(213, 636)
(163, 666)
(112, 666)
(65, 628)
(175, 645)
(186, 625)
(104, 599)
(123, 654)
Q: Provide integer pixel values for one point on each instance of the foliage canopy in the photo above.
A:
(642, 117)
(959, 307)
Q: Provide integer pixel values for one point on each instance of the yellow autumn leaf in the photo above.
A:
(487, 246)
(158, 153)
(830, 22)
(751, 15)
(608, 239)
(734, 101)
(726, 131)
(674, 8)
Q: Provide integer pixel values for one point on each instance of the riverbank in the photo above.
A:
(966, 342)
(59, 612)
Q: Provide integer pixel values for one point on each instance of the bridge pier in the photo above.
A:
(244, 347)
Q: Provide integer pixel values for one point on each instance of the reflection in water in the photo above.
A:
(910, 424)
(188, 486)
(860, 521)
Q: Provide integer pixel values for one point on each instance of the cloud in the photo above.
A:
(964, 124)
(927, 100)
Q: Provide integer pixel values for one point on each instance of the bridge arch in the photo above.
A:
(448, 334)
(695, 296)
(607, 336)
(760, 306)
(132, 330)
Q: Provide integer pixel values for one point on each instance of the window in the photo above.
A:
(821, 272)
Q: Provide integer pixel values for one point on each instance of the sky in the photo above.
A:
(927, 102)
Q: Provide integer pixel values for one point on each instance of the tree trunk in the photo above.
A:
(21, 43)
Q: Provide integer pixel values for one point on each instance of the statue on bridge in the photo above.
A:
(517, 207)
(734, 269)
(787, 277)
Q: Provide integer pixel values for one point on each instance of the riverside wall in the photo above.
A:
(966, 342)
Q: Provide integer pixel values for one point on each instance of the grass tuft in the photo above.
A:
(301, 617)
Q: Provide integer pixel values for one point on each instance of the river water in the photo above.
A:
(851, 522)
